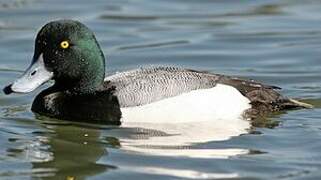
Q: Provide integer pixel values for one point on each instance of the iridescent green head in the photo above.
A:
(67, 52)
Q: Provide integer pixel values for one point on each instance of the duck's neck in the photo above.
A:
(91, 77)
(87, 84)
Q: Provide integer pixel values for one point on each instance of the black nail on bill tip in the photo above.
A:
(7, 89)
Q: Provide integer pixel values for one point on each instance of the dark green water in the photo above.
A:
(277, 42)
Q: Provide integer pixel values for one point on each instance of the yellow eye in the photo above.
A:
(64, 44)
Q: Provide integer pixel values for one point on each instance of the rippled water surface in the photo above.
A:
(277, 42)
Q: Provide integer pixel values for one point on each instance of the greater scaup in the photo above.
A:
(67, 52)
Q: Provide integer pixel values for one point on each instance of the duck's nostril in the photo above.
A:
(33, 72)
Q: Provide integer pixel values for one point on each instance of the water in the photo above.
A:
(277, 42)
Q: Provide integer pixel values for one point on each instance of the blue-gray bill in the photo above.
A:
(33, 77)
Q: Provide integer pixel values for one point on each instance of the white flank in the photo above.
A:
(219, 103)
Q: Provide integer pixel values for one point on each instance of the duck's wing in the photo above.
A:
(147, 85)
(143, 86)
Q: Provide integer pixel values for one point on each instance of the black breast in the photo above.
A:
(100, 107)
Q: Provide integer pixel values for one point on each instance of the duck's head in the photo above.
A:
(67, 52)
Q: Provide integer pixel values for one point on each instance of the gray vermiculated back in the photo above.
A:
(143, 86)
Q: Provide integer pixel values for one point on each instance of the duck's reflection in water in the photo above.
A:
(76, 148)
(75, 151)
(177, 139)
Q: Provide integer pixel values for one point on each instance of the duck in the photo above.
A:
(68, 53)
